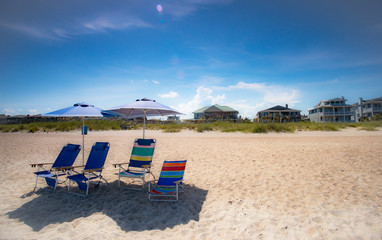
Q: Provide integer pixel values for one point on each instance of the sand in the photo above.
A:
(304, 185)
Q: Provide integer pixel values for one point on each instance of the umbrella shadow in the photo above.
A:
(131, 210)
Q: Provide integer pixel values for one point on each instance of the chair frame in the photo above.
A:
(88, 175)
(53, 172)
(138, 173)
(172, 196)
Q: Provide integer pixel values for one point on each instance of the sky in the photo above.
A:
(247, 54)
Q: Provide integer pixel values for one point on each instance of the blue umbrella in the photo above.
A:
(78, 110)
(142, 108)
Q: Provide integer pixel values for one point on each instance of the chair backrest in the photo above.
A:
(67, 156)
(142, 153)
(97, 155)
(172, 171)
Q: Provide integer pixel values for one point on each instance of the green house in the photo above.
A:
(216, 112)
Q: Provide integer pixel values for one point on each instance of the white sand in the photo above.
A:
(306, 185)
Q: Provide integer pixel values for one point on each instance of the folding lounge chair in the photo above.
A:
(140, 163)
(59, 168)
(92, 169)
(169, 183)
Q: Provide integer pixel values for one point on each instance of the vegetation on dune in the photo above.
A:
(245, 127)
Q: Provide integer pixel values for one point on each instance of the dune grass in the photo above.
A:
(61, 126)
(101, 125)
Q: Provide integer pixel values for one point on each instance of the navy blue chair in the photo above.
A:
(92, 170)
(59, 168)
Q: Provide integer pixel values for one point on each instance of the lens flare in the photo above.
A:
(159, 8)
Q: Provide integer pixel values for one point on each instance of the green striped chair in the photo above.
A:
(169, 183)
(139, 165)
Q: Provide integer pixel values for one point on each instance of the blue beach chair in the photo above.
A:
(140, 163)
(92, 169)
(169, 183)
(59, 168)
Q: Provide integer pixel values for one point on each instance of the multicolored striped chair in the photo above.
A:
(169, 183)
(140, 163)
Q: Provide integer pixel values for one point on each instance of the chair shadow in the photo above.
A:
(131, 210)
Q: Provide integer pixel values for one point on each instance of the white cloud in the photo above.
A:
(219, 99)
(252, 86)
(118, 23)
(12, 111)
(169, 95)
(155, 82)
(54, 34)
(247, 98)
(33, 112)
(76, 28)
(180, 9)
(9, 111)
(202, 98)
(248, 110)
(272, 94)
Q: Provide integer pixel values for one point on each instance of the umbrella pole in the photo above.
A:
(144, 123)
(83, 140)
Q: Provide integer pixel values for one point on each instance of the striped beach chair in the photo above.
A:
(140, 163)
(169, 183)
(59, 168)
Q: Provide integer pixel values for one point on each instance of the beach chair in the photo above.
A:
(140, 163)
(169, 183)
(59, 168)
(92, 169)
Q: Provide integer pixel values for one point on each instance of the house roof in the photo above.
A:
(281, 109)
(321, 103)
(216, 108)
(374, 100)
(336, 99)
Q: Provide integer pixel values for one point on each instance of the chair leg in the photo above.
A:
(35, 185)
(87, 186)
(56, 181)
(69, 185)
(119, 177)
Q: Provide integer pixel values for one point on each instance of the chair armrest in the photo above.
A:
(179, 181)
(72, 167)
(119, 164)
(92, 170)
(39, 164)
(63, 168)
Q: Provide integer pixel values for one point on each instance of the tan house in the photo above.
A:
(216, 112)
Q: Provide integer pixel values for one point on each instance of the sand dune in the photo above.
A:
(305, 185)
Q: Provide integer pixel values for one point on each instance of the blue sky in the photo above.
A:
(187, 54)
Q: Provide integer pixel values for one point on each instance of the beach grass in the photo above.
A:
(221, 126)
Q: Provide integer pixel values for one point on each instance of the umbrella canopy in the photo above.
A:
(77, 110)
(142, 108)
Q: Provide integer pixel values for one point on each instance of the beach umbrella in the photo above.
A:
(142, 108)
(78, 110)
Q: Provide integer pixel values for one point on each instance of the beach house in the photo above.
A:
(333, 110)
(216, 112)
(367, 109)
(279, 114)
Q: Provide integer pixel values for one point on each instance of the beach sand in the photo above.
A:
(303, 185)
